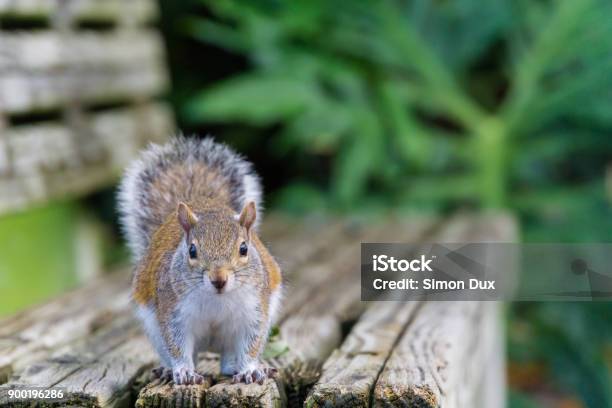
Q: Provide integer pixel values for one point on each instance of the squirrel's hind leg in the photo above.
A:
(151, 327)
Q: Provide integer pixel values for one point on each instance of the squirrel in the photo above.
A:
(203, 280)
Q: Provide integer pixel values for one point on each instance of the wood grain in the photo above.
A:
(49, 50)
(350, 372)
(335, 304)
(77, 95)
(95, 369)
(427, 362)
(35, 334)
(22, 91)
(52, 160)
(438, 360)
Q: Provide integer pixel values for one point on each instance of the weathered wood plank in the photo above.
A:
(297, 246)
(491, 389)
(96, 370)
(51, 160)
(301, 288)
(133, 11)
(333, 304)
(483, 378)
(350, 372)
(225, 394)
(164, 393)
(430, 364)
(483, 381)
(342, 292)
(22, 92)
(107, 380)
(38, 332)
(331, 286)
(113, 136)
(49, 51)
(427, 362)
(69, 357)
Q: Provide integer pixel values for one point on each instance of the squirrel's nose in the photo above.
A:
(219, 284)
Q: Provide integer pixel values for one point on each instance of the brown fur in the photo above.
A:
(270, 265)
(203, 184)
(273, 277)
(164, 311)
(146, 278)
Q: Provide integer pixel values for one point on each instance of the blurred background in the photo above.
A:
(369, 108)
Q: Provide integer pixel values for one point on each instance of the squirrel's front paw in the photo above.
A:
(185, 376)
(257, 374)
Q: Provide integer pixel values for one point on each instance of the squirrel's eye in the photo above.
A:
(193, 252)
(243, 249)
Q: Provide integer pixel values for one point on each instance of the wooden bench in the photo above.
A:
(80, 88)
(340, 351)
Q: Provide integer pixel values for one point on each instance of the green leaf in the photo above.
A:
(275, 349)
(274, 331)
(257, 99)
(276, 346)
(299, 198)
(412, 141)
(319, 128)
(357, 161)
(215, 33)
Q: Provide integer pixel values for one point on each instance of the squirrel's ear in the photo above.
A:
(248, 215)
(186, 217)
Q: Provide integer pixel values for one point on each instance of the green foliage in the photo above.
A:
(493, 99)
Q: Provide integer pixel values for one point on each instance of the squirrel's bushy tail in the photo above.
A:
(184, 169)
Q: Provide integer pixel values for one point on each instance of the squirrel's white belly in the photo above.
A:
(219, 320)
